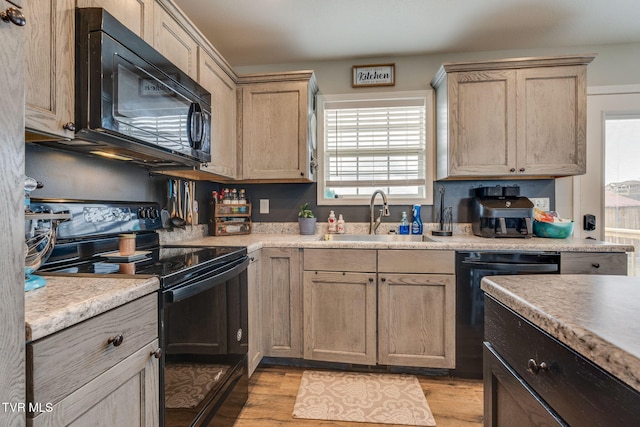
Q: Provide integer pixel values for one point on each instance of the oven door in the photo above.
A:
(203, 331)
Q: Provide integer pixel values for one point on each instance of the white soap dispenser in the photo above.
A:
(340, 224)
(333, 226)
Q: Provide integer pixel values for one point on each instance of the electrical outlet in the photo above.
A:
(264, 206)
(541, 203)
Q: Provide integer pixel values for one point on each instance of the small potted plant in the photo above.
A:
(306, 220)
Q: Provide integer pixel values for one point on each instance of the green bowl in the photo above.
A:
(554, 230)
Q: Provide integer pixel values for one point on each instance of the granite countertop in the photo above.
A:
(455, 242)
(67, 300)
(597, 316)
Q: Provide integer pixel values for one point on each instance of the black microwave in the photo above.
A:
(131, 102)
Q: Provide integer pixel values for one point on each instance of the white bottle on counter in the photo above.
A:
(340, 224)
(333, 226)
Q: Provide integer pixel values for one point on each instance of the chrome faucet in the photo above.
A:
(383, 212)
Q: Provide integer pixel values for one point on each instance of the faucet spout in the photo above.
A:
(384, 211)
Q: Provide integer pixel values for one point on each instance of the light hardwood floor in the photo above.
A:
(273, 391)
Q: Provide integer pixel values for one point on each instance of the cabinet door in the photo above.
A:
(49, 69)
(482, 123)
(223, 116)
(274, 131)
(136, 15)
(12, 349)
(340, 317)
(282, 299)
(551, 129)
(416, 320)
(125, 395)
(174, 42)
(254, 295)
(508, 401)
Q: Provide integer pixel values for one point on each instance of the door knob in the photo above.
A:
(14, 16)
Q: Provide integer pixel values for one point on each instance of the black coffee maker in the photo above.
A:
(501, 212)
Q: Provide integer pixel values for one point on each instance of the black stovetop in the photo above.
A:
(169, 263)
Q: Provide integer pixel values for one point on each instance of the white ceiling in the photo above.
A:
(256, 32)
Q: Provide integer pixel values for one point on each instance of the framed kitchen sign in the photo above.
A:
(373, 75)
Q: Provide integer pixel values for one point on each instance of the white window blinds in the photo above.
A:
(375, 143)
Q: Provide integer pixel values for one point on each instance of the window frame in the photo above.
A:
(430, 163)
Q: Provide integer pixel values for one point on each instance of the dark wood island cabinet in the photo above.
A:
(554, 352)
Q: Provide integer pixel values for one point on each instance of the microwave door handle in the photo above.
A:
(207, 282)
(515, 268)
(195, 125)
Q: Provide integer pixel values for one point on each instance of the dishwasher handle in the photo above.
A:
(515, 268)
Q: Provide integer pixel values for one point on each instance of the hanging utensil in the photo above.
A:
(176, 217)
(187, 203)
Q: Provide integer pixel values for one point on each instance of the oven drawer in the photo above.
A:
(580, 392)
(63, 362)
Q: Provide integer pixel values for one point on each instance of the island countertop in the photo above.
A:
(596, 316)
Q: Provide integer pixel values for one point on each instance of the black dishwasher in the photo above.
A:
(471, 267)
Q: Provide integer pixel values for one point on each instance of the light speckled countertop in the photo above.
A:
(65, 301)
(455, 242)
(597, 316)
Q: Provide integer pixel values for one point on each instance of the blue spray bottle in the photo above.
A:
(416, 223)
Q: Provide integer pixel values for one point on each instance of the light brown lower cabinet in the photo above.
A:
(340, 317)
(103, 371)
(391, 307)
(254, 296)
(282, 302)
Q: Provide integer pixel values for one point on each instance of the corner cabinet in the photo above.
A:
(512, 118)
(49, 70)
(103, 370)
(276, 112)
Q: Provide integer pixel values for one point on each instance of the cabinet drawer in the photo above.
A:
(578, 390)
(61, 363)
(593, 263)
(416, 261)
(356, 260)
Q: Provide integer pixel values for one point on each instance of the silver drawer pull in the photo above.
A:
(117, 340)
(534, 367)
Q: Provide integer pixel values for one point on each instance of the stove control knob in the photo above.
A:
(239, 335)
(142, 213)
(153, 213)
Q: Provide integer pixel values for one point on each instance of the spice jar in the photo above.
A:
(127, 244)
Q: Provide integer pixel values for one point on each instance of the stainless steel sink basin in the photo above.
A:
(377, 238)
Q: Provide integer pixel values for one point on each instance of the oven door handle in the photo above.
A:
(205, 283)
(516, 268)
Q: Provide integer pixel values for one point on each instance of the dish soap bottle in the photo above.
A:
(333, 226)
(404, 224)
(340, 224)
(416, 223)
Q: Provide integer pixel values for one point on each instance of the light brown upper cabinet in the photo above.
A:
(136, 15)
(49, 69)
(223, 117)
(276, 111)
(174, 40)
(513, 118)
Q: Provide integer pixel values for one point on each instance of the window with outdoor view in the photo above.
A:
(376, 141)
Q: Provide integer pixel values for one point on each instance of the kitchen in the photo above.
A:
(56, 168)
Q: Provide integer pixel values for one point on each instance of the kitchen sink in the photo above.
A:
(377, 238)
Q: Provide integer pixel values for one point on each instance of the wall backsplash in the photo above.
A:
(70, 175)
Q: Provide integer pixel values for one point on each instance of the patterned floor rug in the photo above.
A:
(362, 397)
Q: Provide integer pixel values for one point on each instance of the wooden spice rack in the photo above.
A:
(230, 219)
